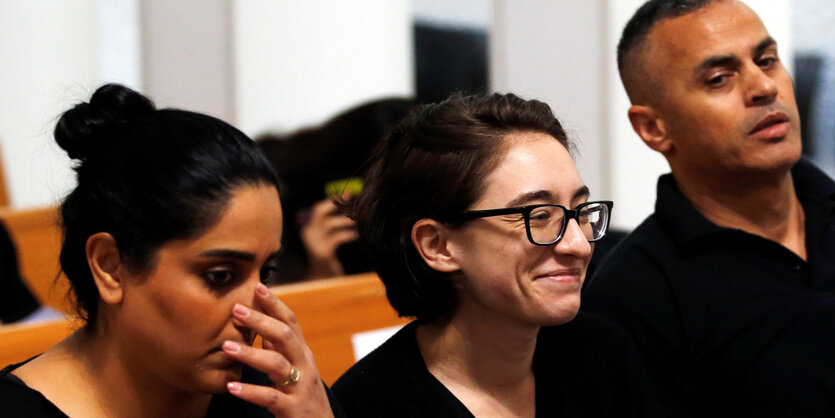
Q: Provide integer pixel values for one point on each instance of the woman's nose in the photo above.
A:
(574, 241)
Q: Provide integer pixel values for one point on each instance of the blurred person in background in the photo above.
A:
(316, 166)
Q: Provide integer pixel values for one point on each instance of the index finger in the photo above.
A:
(274, 307)
(325, 207)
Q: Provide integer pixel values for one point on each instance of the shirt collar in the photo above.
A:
(678, 215)
(687, 225)
(811, 183)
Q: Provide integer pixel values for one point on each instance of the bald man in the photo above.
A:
(728, 289)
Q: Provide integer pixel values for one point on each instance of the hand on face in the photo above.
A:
(326, 231)
(283, 349)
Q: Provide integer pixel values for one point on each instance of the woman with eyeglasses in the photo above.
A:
(481, 229)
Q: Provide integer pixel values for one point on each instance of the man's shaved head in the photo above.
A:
(634, 72)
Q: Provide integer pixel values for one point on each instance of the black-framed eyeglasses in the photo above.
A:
(545, 223)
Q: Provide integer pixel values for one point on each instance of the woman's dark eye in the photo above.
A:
(218, 278)
(540, 215)
(269, 274)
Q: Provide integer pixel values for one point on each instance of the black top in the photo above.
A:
(586, 368)
(19, 400)
(728, 323)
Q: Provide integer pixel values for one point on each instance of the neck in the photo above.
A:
(483, 350)
(123, 390)
(762, 205)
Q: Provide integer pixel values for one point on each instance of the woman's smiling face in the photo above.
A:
(504, 273)
(173, 320)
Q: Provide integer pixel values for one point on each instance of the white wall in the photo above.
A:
(552, 51)
(259, 64)
(634, 168)
(186, 55)
(283, 64)
(454, 13)
(298, 63)
(119, 42)
(54, 55)
(48, 50)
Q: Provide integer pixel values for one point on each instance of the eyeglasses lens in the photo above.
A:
(546, 222)
(593, 220)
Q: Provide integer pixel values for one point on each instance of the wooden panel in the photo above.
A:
(37, 238)
(330, 311)
(4, 194)
(19, 342)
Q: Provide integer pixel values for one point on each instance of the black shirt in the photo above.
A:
(728, 323)
(20, 401)
(586, 368)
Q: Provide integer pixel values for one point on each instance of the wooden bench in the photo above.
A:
(330, 312)
(37, 238)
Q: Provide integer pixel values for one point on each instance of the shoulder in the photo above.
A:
(594, 328)
(382, 367)
(640, 260)
(18, 400)
(393, 381)
(587, 334)
(636, 285)
(644, 242)
(588, 339)
(604, 376)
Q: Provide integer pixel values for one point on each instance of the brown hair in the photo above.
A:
(432, 165)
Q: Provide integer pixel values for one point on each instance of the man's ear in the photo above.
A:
(651, 128)
(431, 239)
(106, 267)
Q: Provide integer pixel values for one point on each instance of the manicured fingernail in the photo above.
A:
(262, 290)
(231, 347)
(241, 310)
(233, 387)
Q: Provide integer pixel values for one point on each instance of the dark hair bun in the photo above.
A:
(87, 126)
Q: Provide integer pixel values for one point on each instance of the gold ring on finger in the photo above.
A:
(293, 378)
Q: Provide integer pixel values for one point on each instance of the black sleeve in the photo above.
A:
(335, 407)
(637, 393)
(630, 290)
(19, 401)
(589, 368)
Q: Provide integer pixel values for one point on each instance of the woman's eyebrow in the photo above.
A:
(545, 195)
(225, 253)
(530, 197)
(582, 192)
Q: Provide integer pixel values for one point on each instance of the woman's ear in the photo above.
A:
(431, 239)
(106, 267)
(651, 128)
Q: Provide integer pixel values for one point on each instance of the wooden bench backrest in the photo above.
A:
(37, 238)
(330, 311)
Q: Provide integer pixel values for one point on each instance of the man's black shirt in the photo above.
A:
(729, 323)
